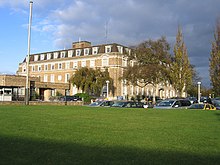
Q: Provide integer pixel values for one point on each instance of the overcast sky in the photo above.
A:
(58, 23)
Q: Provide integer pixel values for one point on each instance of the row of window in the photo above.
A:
(65, 65)
(137, 91)
(51, 78)
(71, 53)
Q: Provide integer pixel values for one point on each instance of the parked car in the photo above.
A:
(70, 98)
(104, 103)
(216, 103)
(205, 106)
(128, 104)
(173, 103)
(193, 100)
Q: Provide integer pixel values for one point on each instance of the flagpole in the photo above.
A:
(28, 57)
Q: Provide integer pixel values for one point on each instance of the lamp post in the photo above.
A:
(107, 82)
(28, 57)
(199, 85)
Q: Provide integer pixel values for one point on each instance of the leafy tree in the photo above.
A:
(181, 70)
(91, 81)
(214, 65)
(150, 63)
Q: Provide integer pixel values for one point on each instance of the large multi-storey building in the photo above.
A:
(54, 69)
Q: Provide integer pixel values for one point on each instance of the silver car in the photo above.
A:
(173, 103)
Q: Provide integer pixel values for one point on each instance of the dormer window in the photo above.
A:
(120, 49)
(56, 54)
(42, 57)
(95, 50)
(63, 54)
(70, 53)
(36, 58)
(78, 52)
(108, 49)
(86, 51)
(24, 69)
(48, 56)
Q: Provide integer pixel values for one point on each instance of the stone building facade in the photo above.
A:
(54, 69)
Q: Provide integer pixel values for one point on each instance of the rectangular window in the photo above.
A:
(67, 77)
(105, 61)
(33, 68)
(45, 78)
(120, 49)
(52, 66)
(59, 78)
(132, 90)
(60, 66)
(42, 57)
(83, 63)
(46, 67)
(92, 63)
(52, 78)
(70, 53)
(107, 49)
(78, 52)
(95, 50)
(48, 56)
(86, 51)
(75, 64)
(39, 68)
(67, 66)
(124, 61)
(63, 54)
(36, 58)
(56, 54)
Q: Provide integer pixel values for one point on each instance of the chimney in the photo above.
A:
(81, 44)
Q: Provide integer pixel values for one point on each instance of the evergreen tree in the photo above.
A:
(214, 65)
(181, 70)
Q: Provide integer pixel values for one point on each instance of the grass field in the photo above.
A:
(84, 135)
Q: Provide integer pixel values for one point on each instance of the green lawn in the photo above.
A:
(84, 135)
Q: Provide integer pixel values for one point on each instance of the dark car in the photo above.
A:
(104, 103)
(193, 100)
(128, 104)
(70, 98)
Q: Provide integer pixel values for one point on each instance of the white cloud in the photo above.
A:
(129, 21)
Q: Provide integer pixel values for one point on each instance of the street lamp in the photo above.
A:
(107, 82)
(199, 85)
(28, 57)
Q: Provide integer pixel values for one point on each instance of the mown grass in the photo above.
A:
(84, 135)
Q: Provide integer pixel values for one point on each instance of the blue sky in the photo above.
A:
(58, 23)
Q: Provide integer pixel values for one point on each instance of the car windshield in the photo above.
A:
(95, 103)
(118, 104)
(166, 103)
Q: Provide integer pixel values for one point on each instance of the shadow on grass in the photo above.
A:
(23, 151)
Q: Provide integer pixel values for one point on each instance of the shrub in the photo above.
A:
(86, 97)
